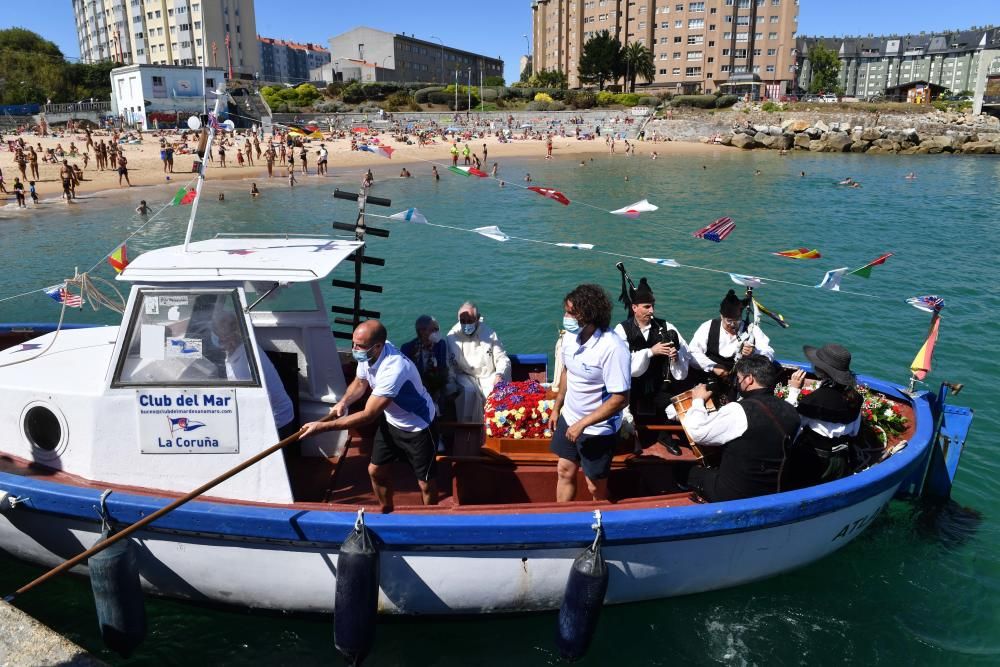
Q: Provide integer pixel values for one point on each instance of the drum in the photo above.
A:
(681, 403)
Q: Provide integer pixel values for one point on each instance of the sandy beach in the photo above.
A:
(145, 168)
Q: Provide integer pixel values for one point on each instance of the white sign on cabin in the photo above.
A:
(187, 421)
(641, 111)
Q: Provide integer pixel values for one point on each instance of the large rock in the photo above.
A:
(766, 140)
(878, 150)
(979, 148)
(814, 132)
(821, 126)
(802, 141)
(774, 130)
(870, 134)
(727, 140)
(795, 125)
(911, 150)
(886, 145)
(743, 141)
(784, 142)
(760, 137)
(817, 145)
(838, 142)
(859, 146)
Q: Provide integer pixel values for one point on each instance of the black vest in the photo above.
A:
(751, 463)
(829, 404)
(712, 348)
(652, 380)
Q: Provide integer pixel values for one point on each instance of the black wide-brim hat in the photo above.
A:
(832, 359)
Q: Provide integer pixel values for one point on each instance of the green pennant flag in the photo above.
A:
(176, 201)
(866, 270)
(460, 171)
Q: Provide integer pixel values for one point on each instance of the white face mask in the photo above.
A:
(435, 337)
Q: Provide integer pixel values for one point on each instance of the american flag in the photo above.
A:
(60, 294)
(213, 122)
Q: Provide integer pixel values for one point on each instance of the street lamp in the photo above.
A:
(527, 46)
(442, 55)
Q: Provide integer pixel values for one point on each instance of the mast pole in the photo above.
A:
(220, 95)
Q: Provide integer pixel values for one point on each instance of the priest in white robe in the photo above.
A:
(476, 361)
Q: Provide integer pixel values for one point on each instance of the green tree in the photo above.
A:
(638, 62)
(493, 81)
(825, 67)
(32, 69)
(601, 59)
(549, 79)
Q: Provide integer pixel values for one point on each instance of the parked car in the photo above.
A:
(828, 98)
(811, 98)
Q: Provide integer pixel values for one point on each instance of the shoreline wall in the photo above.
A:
(837, 131)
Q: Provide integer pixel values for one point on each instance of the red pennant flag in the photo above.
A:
(551, 194)
(478, 172)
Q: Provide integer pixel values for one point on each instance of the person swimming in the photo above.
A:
(911, 176)
(142, 209)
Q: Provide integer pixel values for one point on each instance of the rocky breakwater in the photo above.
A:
(841, 137)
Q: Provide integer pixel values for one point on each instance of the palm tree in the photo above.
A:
(638, 62)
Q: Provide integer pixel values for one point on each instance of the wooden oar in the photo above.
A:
(101, 546)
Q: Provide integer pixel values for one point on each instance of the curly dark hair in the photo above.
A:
(592, 305)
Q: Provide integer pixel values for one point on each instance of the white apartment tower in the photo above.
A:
(170, 32)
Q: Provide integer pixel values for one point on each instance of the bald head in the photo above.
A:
(368, 333)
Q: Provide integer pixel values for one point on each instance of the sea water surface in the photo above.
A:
(918, 587)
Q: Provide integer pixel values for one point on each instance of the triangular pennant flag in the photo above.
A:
(385, 151)
(660, 262)
(866, 270)
(831, 280)
(580, 246)
(409, 215)
(799, 253)
(189, 197)
(633, 211)
(492, 232)
(179, 197)
(461, 171)
(777, 317)
(551, 194)
(717, 231)
(119, 259)
(921, 365)
(929, 303)
(61, 294)
(746, 281)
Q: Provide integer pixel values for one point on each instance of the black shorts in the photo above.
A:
(592, 452)
(417, 449)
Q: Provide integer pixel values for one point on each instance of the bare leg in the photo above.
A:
(428, 491)
(566, 482)
(598, 488)
(382, 486)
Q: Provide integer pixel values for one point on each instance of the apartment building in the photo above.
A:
(282, 61)
(696, 45)
(170, 32)
(367, 54)
(879, 65)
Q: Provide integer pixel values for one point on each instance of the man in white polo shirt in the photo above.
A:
(593, 390)
(403, 408)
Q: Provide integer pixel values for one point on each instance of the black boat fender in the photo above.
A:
(583, 599)
(118, 596)
(355, 605)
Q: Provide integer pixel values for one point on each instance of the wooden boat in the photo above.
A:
(143, 410)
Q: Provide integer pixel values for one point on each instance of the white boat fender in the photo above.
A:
(584, 597)
(114, 579)
(355, 605)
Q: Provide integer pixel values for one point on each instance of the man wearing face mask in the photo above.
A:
(401, 406)
(716, 343)
(754, 432)
(429, 353)
(593, 391)
(477, 361)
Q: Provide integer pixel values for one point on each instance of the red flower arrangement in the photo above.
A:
(518, 410)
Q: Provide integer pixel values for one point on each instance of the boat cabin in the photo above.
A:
(182, 390)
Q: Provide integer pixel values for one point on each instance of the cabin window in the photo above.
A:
(290, 298)
(187, 337)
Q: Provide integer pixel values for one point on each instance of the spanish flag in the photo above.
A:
(921, 365)
(119, 259)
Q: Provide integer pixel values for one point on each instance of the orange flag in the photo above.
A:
(921, 365)
(119, 259)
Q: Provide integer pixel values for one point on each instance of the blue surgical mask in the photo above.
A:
(469, 329)
(570, 324)
(360, 356)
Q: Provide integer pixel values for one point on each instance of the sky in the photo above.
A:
(497, 28)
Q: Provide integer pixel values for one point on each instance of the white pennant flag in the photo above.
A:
(580, 246)
(409, 215)
(660, 262)
(746, 281)
(492, 232)
(831, 280)
(635, 209)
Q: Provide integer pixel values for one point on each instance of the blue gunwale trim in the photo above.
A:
(495, 530)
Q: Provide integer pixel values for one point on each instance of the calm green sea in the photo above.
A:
(916, 588)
